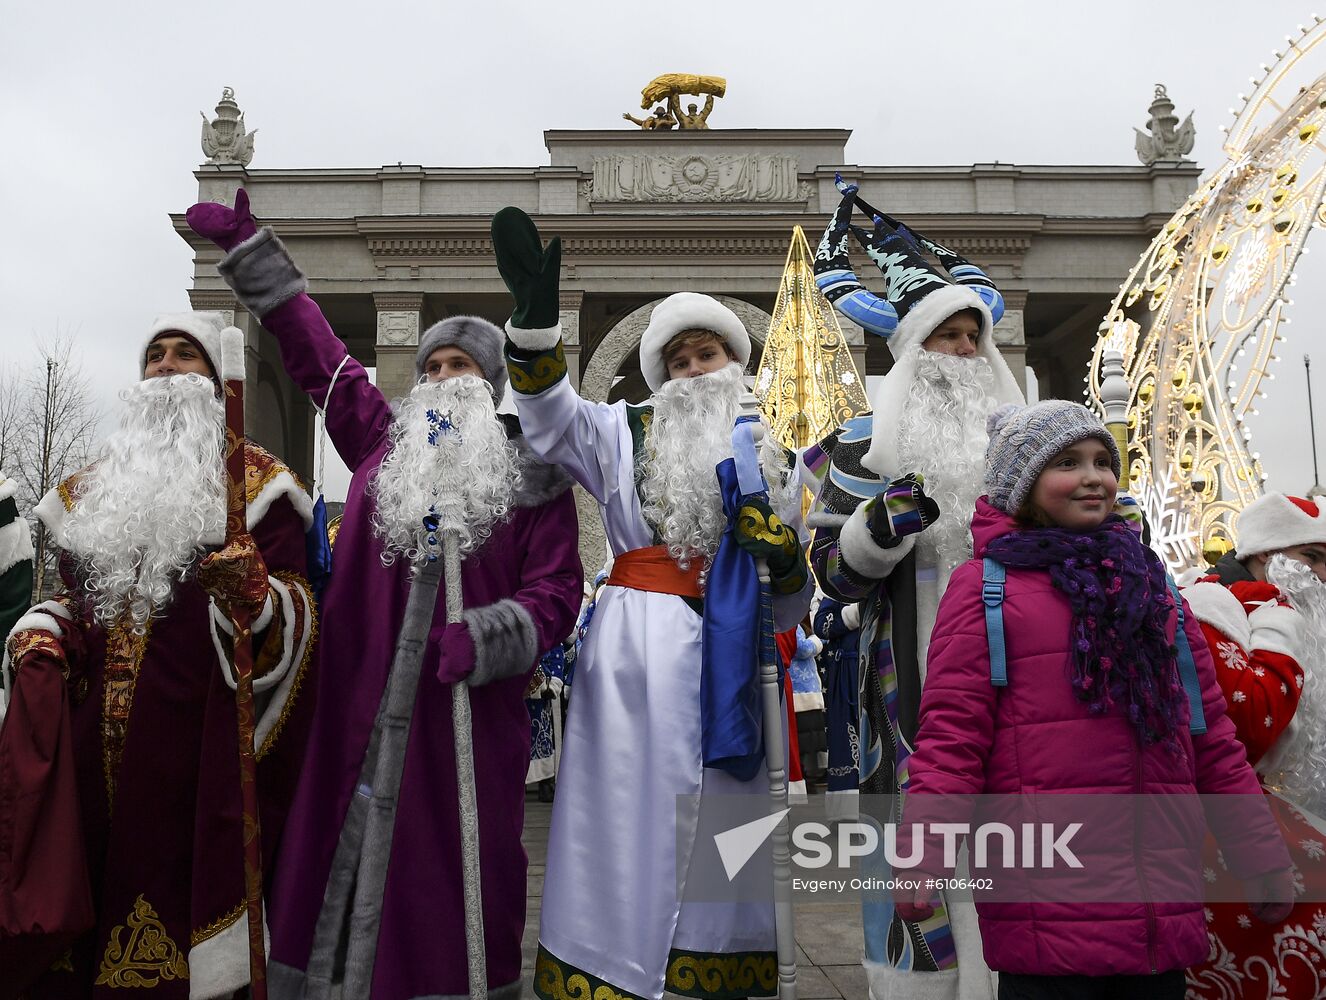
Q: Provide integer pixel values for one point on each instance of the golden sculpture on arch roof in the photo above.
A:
(1197, 321)
(664, 94)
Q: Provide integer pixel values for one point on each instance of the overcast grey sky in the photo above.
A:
(99, 112)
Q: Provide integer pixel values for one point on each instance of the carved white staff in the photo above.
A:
(746, 438)
(386, 761)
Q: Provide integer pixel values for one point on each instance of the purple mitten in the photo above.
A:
(455, 660)
(226, 227)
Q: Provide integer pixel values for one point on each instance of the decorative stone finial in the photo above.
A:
(224, 139)
(1165, 142)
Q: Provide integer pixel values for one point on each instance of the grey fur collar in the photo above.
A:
(539, 481)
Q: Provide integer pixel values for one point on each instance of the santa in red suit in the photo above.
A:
(1263, 610)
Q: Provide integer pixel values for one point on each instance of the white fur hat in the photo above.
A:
(223, 345)
(688, 311)
(1276, 521)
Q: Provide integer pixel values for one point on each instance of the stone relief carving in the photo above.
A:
(692, 177)
(397, 328)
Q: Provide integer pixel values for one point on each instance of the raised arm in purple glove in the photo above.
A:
(226, 227)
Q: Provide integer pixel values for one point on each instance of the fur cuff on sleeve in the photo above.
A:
(852, 617)
(49, 616)
(534, 340)
(261, 273)
(15, 543)
(863, 554)
(506, 642)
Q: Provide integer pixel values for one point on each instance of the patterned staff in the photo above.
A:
(746, 438)
(232, 373)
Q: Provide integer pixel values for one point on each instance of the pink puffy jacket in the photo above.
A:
(1034, 737)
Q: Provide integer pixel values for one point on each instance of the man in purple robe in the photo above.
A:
(521, 583)
(140, 634)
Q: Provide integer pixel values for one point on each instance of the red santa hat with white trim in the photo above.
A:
(1276, 521)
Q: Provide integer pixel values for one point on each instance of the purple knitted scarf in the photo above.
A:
(1121, 604)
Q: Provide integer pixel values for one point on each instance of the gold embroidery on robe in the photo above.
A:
(65, 963)
(217, 925)
(694, 974)
(554, 980)
(531, 376)
(148, 957)
(124, 656)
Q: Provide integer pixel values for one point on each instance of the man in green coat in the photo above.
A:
(15, 558)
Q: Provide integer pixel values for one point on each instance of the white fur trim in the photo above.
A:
(232, 355)
(38, 618)
(1215, 605)
(1278, 629)
(889, 983)
(856, 545)
(852, 616)
(220, 965)
(8, 487)
(534, 340)
(1273, 522)
(15, 543)
(817, 642)
(50, 512)
(683, 311)
(278, 682)
(881, 457)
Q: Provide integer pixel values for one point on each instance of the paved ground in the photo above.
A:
(828, 934)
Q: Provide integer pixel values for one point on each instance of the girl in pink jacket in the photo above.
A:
(1092, 702)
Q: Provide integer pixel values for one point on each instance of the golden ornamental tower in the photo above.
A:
(807, 384)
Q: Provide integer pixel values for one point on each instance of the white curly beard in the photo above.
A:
(468, 476)
(155, 494)
(690, 434)
(942, 436)
(1299, 765)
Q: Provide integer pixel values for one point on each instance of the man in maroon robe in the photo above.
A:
(140, 633)
(521, 583)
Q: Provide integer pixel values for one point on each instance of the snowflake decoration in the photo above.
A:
(1259, 671)
(1300, 886)
(1319, 922)
(1206, 911)
(440, 425)
(1244, 920)
(1247, 268)
(1267, 722)
(1209, 874)
(1172, 533)
(1231, 655)
(1240, 696)
(1314, 849)
(847, 378)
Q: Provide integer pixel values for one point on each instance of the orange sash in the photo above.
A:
(652, 569)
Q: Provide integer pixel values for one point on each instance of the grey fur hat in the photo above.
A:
(1023, 439)
(475, 336)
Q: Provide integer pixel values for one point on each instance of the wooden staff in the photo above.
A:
(242, 656)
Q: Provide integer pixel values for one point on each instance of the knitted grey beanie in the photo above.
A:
(475, 336)
(1023, 439)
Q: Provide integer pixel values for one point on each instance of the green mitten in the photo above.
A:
(530, 271)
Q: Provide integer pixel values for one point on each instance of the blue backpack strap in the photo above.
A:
(992, 596)
(1187, 668)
